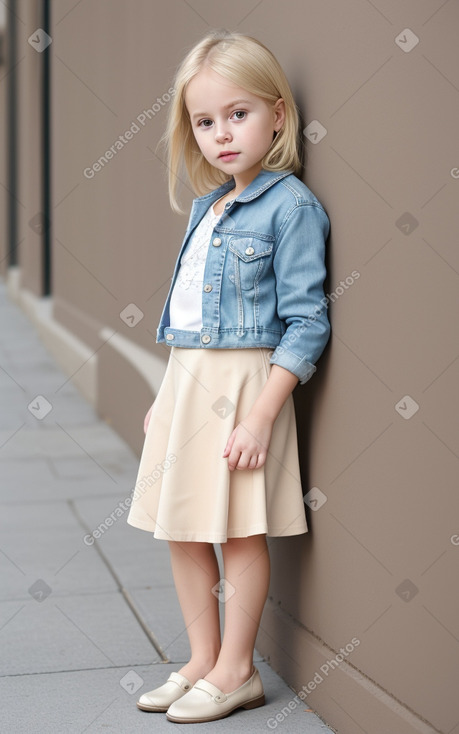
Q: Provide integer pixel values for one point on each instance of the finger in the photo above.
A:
(234, 459)
(229, 444)
(261, 460)
(253, 463)
(244, 461)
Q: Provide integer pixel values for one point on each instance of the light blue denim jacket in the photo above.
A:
(264, 274)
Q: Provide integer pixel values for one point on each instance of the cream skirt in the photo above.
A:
(184, 489)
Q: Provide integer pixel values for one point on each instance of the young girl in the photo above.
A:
(245, 321)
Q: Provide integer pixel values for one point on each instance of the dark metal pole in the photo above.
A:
(46, 153)
(11, 28)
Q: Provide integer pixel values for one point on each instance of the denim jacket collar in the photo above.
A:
(264, 180)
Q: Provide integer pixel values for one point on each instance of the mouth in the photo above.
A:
(228, 155)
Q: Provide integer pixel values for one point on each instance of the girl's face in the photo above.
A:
(233, 128)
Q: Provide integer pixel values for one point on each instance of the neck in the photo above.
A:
(242, 180)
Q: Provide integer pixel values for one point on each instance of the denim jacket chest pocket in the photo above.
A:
(248, 257)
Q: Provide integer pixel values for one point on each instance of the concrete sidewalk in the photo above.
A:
(85, 629)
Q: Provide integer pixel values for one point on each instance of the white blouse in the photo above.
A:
(185, 306)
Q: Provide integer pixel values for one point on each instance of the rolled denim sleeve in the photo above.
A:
(299, 267)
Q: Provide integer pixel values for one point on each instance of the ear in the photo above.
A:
(279, 114)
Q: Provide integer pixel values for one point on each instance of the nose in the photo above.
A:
(222, 132)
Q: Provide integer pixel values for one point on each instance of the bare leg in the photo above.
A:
(195, 570)
(247, 569)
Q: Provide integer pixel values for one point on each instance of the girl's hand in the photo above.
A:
(147, 420)
(247, 447)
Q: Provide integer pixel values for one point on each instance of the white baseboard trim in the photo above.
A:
(148, 365)
(72, 355)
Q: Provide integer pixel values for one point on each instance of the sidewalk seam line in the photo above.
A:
(125, 593)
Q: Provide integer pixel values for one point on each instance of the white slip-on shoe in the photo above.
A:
(206, 702)
(161, 698)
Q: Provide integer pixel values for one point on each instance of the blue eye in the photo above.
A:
(205, 123)
(240, 114)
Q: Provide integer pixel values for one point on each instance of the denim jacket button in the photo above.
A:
(205, 339)
(207, 288)
(170, 337)
(249, 251)
(217, 242)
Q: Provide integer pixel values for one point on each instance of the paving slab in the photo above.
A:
(104, 701)
(52, 634)
(23, 479)
(44, 541)
(96, 440)
(35, 479)
(140, 560)
(58, 557)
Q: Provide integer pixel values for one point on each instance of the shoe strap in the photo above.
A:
(208, 687)
(181, 681)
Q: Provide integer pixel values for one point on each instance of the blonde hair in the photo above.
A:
(249, 64)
